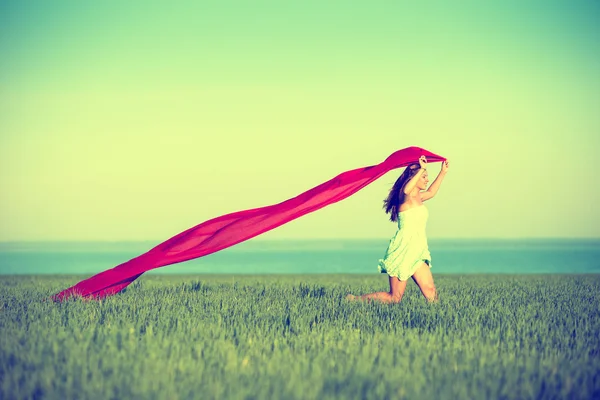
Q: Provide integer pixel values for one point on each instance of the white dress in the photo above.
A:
(408, 247)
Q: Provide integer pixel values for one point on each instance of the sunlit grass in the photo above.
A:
(286, 337)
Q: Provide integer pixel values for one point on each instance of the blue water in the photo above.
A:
(529, 256)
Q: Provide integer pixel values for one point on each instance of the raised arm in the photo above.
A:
(435, 186)
(410, 185)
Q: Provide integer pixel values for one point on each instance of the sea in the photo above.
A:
(330, 256)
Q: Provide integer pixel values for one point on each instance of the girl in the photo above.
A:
(408, 254)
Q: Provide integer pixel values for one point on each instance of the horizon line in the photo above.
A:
(304, 239)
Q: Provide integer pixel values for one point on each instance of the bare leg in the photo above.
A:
(397, 288)
(424, 280)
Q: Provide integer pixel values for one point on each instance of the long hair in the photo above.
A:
(396, 196)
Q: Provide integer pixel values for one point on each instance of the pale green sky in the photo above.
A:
(135, 122)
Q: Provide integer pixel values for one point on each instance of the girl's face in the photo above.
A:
(423, 181)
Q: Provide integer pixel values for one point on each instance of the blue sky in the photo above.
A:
(137, 121)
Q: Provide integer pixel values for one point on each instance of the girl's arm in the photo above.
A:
(435, 186)
(410, 185)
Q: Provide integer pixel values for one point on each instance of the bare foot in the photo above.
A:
(351, 297)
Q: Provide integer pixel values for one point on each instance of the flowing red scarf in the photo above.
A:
(227, 230)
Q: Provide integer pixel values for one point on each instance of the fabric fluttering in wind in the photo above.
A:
(227, 230)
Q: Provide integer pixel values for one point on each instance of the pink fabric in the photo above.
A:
(227, 230)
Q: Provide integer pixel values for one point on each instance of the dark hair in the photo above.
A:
(396, 196)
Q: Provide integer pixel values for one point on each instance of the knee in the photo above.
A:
(396, 297)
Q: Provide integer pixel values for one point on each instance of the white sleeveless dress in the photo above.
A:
(408, 247)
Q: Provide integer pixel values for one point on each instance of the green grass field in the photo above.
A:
(295, 337)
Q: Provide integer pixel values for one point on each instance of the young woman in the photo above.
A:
(408, 254)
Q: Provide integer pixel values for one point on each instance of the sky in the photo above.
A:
(137, 120)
